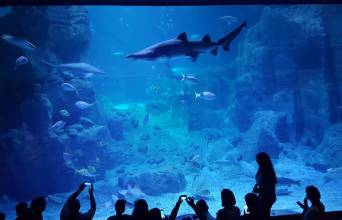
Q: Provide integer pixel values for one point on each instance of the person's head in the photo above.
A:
(120, 206)
(155, 214)
(21, 208)
(263, 160)
(74, 206)
(266, 166)
(2, 216)
(313, 193)
(251, 200)
(202, 205)
(227, 198)
(140, 208)
(38, 204)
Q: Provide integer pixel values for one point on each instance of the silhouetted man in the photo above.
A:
(38, 205)
(120, 206)
(71, 208)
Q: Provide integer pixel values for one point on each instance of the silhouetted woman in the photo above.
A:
(317, 209)
(229, 211)
(140, 211)
(265, 185)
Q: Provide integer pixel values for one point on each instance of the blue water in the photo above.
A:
(277, 90)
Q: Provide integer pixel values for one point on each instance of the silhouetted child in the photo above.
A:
(37, 207)
(22, 211)
(265, 185)
(71, 208)
(317, 209)
(140, 210)
(201, 208)
(251, 208)
(2, 216)
(155, 214)
(120, 206)
(229, 211)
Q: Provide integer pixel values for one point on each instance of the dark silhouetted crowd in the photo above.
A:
(258, 203)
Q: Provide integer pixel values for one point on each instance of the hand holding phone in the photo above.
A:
(300, 205)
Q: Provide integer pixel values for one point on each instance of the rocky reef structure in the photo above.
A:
(291, 69)
(37, 158)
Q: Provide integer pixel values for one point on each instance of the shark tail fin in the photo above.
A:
(226, 40)
(197, 95)
(183, 77)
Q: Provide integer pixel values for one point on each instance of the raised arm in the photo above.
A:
(191, 202)
(77, 192)
(92, 198)
(64, 210)
(91, 211)
(174, 212)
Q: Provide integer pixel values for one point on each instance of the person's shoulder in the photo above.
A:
(236, 209)
(220, 212)
(127, 217)
(111, 217)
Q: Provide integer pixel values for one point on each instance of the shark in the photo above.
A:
(181, 46)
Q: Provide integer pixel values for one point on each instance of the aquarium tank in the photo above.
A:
(155, 102)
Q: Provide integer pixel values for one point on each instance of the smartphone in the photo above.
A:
(87, 184)
(246, 209)
(162, 213)
(300, 204)
(183, 197)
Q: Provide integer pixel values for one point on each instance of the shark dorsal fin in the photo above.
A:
(182, 37)
(206, 38)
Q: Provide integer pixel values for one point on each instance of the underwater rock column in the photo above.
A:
(69, 32)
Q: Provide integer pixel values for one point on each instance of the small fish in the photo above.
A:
(22, 43)
(58, 125)
(189, 77)
(64, 113)
(135, 191)
(208, 96)
(118, 53)
(68, 87)
(229, 19)
(146, 119)
(22, 60)
(83, 105)
(123, 192)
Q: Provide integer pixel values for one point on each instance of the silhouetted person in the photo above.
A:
(265, 185)
(22, 211)
(317, 209)
(140, 211)
(201, 208)
(120, 206)
(229, 211)
(251, 210)
(37, 207)
(2, 216)
(155, 214)
(174, 211)
(71, 208)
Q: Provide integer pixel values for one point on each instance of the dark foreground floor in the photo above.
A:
(336, 215)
